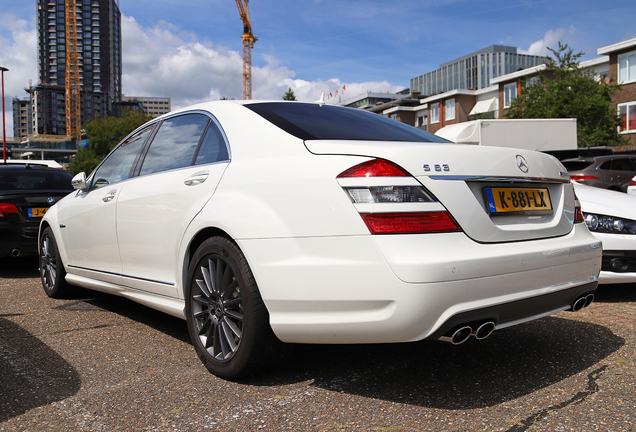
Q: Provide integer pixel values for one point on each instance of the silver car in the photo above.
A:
(612, 172)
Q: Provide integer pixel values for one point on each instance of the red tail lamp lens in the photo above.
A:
(582, 177)
(375, 168)
(7, 209)
(409, 223)
(578, 214)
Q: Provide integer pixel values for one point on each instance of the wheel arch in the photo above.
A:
(194, 244)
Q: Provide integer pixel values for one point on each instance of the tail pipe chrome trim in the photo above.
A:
(582, 302)
(15, 252)
(463, 333)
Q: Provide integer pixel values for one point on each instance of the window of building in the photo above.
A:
(627, 67)
(627, 113)
(435, 113)
(510, 94)
(449, 109)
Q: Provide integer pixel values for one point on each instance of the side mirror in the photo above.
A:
(79, 182)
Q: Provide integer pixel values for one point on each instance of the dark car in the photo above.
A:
(26, 193)
(608, 172)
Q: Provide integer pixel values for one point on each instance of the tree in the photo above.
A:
(289, 95)
(565, 90)
(103, 135)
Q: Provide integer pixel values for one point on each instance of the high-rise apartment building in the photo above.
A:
(474, 71)
(99, 55)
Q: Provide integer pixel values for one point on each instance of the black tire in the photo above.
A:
(227, 319)
(52, 273)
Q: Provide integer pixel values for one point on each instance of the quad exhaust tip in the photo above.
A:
(463, 333)
(582, 302)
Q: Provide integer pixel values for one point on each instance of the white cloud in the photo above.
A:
(18, 53)
(551, 39)
(162, 61)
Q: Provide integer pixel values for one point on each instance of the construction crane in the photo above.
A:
(248, 43)
(73, 113)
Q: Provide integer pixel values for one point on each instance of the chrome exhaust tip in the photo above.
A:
(589, 299)
(459, 336)
(579, 304)
(485, 330)
(15, 253)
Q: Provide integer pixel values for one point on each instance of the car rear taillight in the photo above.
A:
(579, 177)
(409, 223)
(7, 209)
(632, 182)
(375, 168)
(376, 186)
(578, 214)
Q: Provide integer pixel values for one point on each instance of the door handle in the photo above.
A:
(109, 196)
(196, 179)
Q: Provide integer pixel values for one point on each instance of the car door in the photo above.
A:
(89, 222)
(179, 174)
(622, 171)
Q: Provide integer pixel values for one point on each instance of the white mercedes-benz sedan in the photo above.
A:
(265, 223)
(611, 217)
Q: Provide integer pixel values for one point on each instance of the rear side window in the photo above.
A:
(34, 179)
(576, 165)
(175, 143)
(213, 148)
(622, 165)
(327, 122)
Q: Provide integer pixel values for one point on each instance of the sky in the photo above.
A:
(191, 50)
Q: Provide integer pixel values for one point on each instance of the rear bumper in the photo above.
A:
(18, 238)
(353, 290)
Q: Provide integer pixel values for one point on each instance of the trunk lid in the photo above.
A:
(483, 188)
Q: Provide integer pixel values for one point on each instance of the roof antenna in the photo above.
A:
(321, 101)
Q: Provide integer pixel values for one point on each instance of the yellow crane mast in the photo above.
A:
(73, 113)
(248, 43)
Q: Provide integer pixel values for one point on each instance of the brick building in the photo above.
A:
(622, 69)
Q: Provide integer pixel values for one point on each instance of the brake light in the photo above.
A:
(579, 177)
(578, 214)
(632, 182)
(409, 223)
(7, 209)
(375, 168)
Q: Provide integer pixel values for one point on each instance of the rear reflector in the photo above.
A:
(409, 223)
(7, 209)
(375, 168)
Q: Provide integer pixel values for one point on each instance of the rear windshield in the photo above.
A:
(576, 165)
(34, 179)
(327, 122)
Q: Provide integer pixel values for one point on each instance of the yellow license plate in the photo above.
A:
(37, 211)
(508, 201)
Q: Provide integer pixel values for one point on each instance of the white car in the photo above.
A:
(631, 187)
(611, 217)
(262, 222)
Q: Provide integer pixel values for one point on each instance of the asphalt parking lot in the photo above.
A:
(102, 363)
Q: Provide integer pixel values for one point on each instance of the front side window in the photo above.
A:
(449, 109)
(435, 112)
(175, 143)
(118, 165)
(627, 67)
(510, 94)
(627, 113)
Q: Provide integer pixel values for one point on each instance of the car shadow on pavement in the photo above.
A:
(615, 293)
(511, 363)
(19, 268)
(32, 374)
